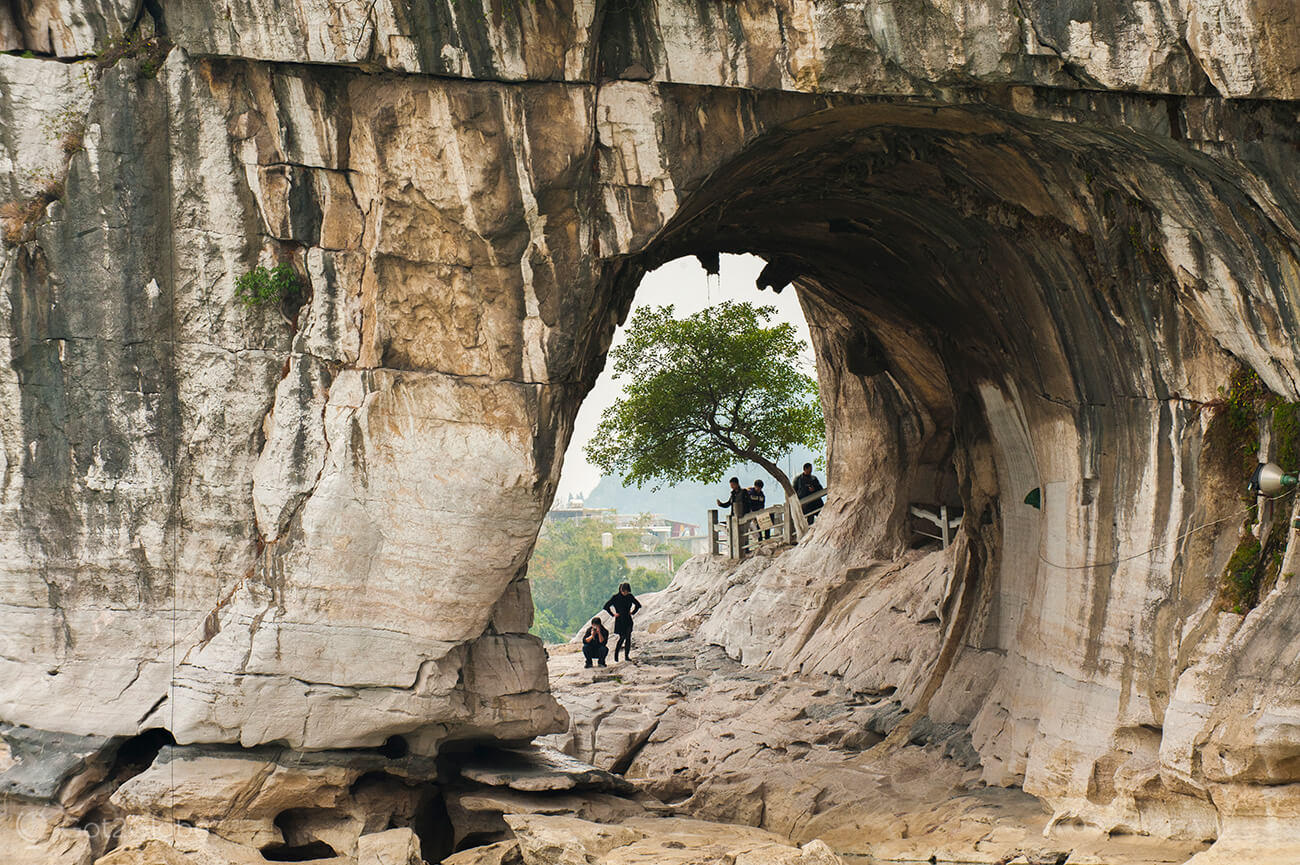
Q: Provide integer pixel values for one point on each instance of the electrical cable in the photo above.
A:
(176, 530)
(1159, 546)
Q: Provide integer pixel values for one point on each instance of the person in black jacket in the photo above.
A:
(595, 643)
(738, 501)
(805, 484)
(756, 501)
(621, 606)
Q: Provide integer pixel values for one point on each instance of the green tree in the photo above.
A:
(572, 574)
(546, 626)
(704, 392)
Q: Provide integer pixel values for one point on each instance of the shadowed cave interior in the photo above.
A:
(1000, 305)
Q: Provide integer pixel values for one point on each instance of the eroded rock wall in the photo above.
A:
(171, 439)
(1033, 243)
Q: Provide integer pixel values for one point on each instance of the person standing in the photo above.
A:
(738, 500)
(622, 606)
(805, 484)
(595, 643)
(756, 500)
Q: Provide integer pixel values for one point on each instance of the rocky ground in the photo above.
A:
(808, 758)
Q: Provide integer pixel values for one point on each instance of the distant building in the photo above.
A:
(662, 562)
(653, 530)
(655, 524)
(695, 544)
(574, 509)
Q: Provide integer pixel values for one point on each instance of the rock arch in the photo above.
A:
(1055, 311)
(1098, 218)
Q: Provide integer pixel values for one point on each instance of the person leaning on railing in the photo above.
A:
(805, 484)
(756, 501)
(738, 500)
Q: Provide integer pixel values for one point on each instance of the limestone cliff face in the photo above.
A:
(1033, 241)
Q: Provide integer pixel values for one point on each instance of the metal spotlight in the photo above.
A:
(1270, 480)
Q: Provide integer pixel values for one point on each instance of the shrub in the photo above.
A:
(262, 287)
(1286, 434)
(18, 219)
(150, 50)
(68, 128)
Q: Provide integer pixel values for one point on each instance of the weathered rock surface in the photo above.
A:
(1033, 240)
(500, 853)
(795, 753)
(538, 770)
(666, 840)
(393, 847)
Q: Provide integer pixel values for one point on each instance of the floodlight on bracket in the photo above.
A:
(1270, 479)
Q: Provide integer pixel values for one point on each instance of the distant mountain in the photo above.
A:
(686, 502)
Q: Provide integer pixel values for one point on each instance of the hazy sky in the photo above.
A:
(685, 285)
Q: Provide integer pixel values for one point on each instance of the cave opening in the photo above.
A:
(641, 530)
(968, 281)
(692, 284)
(998, 304)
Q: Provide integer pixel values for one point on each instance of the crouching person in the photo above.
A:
(595, 643)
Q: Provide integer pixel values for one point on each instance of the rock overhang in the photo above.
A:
(1085, 264)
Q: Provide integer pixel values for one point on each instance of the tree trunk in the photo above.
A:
(772, 469)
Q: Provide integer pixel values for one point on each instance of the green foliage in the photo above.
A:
(572, 575)
(704, 392)
(1241, 575)
(1286, 434)
(262, 287)
(549, 628)
(150, 50)
(1244, 400)
(1233, 433)
(1233, 436)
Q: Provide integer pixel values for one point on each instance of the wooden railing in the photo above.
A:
(785, 524)
(737, 537)
(942, 519)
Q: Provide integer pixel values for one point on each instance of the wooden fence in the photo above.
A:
(943, 519)
(785, 523)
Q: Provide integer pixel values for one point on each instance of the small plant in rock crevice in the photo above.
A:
(1233, 440)
(18, 219)
(260, 287)
(151, 51)
(1241, 575)
(67, 128)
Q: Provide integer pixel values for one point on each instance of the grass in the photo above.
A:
(18, 219)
